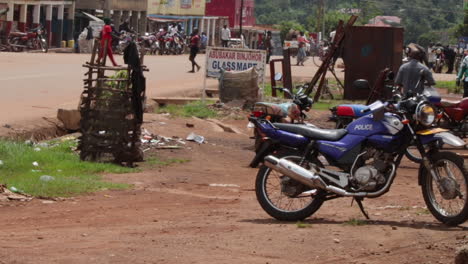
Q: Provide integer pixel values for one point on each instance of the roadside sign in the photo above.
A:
(234, 60)
(230, 59)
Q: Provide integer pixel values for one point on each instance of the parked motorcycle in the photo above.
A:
(149, 43)
(454, 116)
(366, 156)
(289, 112)
(34, 39)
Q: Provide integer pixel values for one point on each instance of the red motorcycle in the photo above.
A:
(34, 39)
(454, 116)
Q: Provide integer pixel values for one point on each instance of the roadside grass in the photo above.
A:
(198, 109)
(355, 222)
(71, 176)
(451, 86)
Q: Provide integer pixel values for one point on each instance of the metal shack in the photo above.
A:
(367, 51)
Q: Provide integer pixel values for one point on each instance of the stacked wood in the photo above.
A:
(109, 127)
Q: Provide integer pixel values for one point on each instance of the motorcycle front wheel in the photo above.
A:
(447, 198)
(270, 188)
(43, 45)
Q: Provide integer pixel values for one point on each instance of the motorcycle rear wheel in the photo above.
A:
(16, 41)
(448, 204)
(276, 203)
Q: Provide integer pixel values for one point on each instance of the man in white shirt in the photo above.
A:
(225, 36)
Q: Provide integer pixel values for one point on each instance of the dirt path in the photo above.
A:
(173, 215)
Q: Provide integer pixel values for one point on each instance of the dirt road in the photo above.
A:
(173, 215)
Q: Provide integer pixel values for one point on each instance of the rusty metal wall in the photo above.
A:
(367, 51)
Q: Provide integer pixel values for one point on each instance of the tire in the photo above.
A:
(43, 45)
(309, 208)
(16, 41)
(429, 192)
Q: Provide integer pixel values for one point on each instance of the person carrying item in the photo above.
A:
(301, 53)
(106, 36)
(194, 48)
(409, 74)
(225, 36)
(463, 74)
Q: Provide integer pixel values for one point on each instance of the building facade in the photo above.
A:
(57, 17)
(135, 11)
(189, 13)
(231, 9)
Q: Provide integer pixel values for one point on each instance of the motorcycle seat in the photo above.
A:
(18, 34)
(313, 132)
(446, 103)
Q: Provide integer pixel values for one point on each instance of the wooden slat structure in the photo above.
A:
(109, 125)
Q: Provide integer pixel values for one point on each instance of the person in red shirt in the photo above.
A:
(301, 54)
(106, 34)
(194, 48)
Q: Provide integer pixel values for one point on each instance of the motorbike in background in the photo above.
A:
(34, 39)
(292, 112)
(149, 43)
(439, 61)
(361, 162)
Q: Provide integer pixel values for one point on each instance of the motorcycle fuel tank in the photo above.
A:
(366, 126)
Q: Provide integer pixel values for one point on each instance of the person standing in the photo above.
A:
(204, 41)
(106, 36)
(194, 48)
(409, 74)
(268, 46)
(450, 57)
(225, 36)
(301, 53)
(463, 74)
(90, 39)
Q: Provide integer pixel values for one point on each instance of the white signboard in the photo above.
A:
(97, 27)
(234, 60)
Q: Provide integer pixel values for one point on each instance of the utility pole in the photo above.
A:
(321, 17)
(241, 17)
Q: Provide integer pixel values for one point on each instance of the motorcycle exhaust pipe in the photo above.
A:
(295, 172)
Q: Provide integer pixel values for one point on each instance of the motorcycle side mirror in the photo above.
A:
(361, 84)
(278, 76)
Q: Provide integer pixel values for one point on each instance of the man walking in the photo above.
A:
(225, 36)
(194, 48)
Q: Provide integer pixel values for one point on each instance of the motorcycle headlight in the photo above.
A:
(426, 114)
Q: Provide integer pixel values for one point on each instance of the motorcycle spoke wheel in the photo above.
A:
(272, 198)
(447, 198)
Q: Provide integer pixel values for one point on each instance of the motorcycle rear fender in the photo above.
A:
(265, 149)
(446, 137)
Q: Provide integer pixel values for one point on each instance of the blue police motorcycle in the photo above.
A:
(360, 161)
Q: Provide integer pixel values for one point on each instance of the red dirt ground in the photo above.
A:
(173, 215)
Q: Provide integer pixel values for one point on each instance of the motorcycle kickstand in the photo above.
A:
(361, 207)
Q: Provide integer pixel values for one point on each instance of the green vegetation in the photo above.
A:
(71, 176)
(303, 225)
(355, 222)
(451, 86)
(197, 109)
(424, 21)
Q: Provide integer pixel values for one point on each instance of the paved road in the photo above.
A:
(35, 85)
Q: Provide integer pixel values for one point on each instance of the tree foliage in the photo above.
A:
(423, 20)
